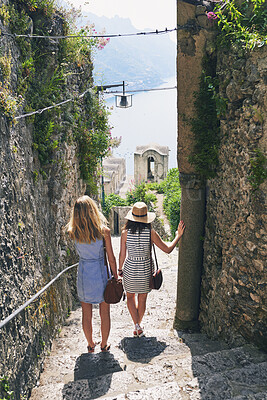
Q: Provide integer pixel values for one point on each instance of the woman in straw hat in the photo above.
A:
(135, 239)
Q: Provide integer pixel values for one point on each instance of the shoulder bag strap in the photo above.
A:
(105, 257)
(155, 256)
(152, 245)
(150, 248)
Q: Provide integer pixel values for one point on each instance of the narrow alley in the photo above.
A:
(160, 366)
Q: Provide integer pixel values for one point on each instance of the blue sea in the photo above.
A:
(152, 118)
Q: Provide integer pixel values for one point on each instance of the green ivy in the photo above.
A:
(205, 125)
(93, 137)
(42, 82)
(112, 200)
(5, 392)
(244, 23)
(258, 172)
(172, 198)
(4, 14)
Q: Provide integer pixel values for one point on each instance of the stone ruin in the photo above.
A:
(151, 163)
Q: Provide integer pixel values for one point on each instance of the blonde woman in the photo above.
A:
(86, 229)
(136, 239)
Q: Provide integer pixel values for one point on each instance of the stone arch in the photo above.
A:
(151, 163)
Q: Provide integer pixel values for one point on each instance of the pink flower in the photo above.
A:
(211, 16)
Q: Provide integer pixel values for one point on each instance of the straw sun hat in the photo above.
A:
(139, 213)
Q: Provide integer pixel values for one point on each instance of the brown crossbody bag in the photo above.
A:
(114, 289)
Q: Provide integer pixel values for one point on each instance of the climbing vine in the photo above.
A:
(242, 22)
(45, 76)
(5, 392)
(258, 172)
(172, 198)
(209, 106)
(112, 200)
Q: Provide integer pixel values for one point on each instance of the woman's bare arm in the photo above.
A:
(168, 248)
(110, 254)
(122, 255)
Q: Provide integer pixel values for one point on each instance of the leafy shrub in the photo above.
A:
(172, 198)
(205, 125)
(112, 200)
(258, 172)
(244, 23)
(140, 193)
(43, 80)
(159, 187)
(5, 392)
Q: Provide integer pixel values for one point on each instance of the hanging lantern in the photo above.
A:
(123, 101)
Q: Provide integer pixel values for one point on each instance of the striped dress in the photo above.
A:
(137, 268)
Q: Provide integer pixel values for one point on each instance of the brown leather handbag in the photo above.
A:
(114, 289)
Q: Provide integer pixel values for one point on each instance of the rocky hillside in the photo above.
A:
(141, 61)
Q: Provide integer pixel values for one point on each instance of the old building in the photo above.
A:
(114, 172)
(151, 163)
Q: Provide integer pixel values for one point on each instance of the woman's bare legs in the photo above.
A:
(87, 323)
(104, 310)
(141, 307)
(132, 307)
(136, 311)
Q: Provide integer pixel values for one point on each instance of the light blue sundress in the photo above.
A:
(92, 273)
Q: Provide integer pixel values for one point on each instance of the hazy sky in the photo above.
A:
(155, 14)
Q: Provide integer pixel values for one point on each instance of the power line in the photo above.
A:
(156, 32)
(143, 90)
(40, 111)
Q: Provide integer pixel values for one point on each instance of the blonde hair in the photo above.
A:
(86, 222)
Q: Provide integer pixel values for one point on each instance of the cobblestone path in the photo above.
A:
(163, 365)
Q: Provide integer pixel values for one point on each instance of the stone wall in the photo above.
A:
(234, 278)
(34, 248)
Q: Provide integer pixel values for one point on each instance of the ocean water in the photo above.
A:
(152, 118)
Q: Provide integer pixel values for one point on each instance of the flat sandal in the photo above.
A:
(106, 348)
(91, 349)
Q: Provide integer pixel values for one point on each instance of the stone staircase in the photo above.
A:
(163, 365)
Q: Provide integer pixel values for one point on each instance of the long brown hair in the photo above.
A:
(85, 223)
(134, 226)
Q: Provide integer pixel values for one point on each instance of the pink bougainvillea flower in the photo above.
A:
(212, 16)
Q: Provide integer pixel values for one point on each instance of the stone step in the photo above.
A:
(138, 363)
(257, 396)
(248, 380)
(226, 360)
(165, 391)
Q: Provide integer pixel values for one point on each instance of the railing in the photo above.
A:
(21, 308)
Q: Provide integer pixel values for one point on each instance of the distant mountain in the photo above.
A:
(141, 61)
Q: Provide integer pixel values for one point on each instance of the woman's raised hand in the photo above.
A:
(181, 228)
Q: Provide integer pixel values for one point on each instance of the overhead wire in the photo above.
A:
(142, 90)
(112, 35)
(40, 111)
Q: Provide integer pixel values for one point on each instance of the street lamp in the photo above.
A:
(123, 101)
